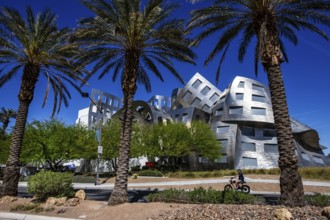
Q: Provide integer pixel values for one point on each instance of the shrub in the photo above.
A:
(135, 169)
(318, 200)
(83, 179)
(50, 184)
(235, 197)
(150, 173)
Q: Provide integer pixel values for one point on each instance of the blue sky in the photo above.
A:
(306, 76)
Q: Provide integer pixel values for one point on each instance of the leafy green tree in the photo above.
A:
(51, 142)
(270, 22)
(131, 37)
(34, 47)
(5, 116)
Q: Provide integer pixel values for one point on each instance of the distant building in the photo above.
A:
(241, 116)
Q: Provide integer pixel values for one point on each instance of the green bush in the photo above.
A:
(318, 200)
(83, 179)
(201, 195)
(150, 173)
(50, 184)
(135, 169)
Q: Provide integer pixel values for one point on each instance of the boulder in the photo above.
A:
(51, 201)
(80, 194)
(282, 214)
(72, 202)
(326, 212)
(8, 199)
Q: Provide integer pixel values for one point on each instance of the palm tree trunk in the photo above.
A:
(25, 96)
(119, 194)
(292, 191)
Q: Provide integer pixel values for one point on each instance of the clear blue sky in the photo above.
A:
(306, 76)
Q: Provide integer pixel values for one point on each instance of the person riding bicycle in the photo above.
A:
(238, 179)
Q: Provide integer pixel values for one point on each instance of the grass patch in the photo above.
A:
(27, 207)
(318, 200)
(202, 196)
(83, 179)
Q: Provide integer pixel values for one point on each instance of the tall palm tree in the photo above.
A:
(131, 38)
(5, 116)
(269, 21)
(34, 47)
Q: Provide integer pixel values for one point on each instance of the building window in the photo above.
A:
(258, 111)
(196, 83)
(222, 129)
(269, 133)
(271, 148)
(219, 112)
(318, 160)
(206, 108)
(196, 101)
(258, 98)
(235, 110)
(214, 97)
(249, 162)
(239, 96)
(187, 95)
(305, 156)
(224, 143)
(222, 159)
(203, 160)
(248, 146)
(241, 84)
(247, 131)
(258, 88)
(205, 90)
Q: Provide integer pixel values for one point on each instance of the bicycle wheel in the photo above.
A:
(228, 187)
(245, 189)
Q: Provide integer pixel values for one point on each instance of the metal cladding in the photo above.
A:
(241, 116)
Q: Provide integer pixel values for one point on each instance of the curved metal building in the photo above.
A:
(241, 116)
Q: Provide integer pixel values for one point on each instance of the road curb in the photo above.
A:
(18, 216)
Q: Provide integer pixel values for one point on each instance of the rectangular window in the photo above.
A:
(205, 90)
(224, 143)
(239, 96)
(196, 83)
(269, 133)
(248, 146)
(247, 131)
(187, 95)
(241, 84)
(222, 129)
(271, 148)
(318, 160)
(249, 162)
(219, 112)
(222, 159)
(185, 117)
(235, 110)
(258, 111)
(196, 101)
(214, 97)
(305, 156)
(258, 98)
(206, 108)
(257, 87)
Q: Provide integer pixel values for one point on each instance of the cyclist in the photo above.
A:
(238, 179)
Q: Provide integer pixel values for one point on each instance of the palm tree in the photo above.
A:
(5, 116)
(130, 37)
(269, 21)
(32, 48)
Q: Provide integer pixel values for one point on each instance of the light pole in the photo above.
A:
(98, 136)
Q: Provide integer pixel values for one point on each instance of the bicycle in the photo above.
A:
(241, 186)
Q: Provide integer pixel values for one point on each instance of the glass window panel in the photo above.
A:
(305, 156)
(257, 87)
(241, 84)
(205, 90)
(248, 146)
(248, 131)
(219, 112)
(196, 101)
(222, 129)
(258, 111)
(224, 143)
(214, 97)
(318, 160)
(196, 83)
(239, 96)
(187, 95)
(249, 162)
(271, 148)
(222, 159)
(206, 108)
(269, 133)
(258, 98)
(236, 110)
